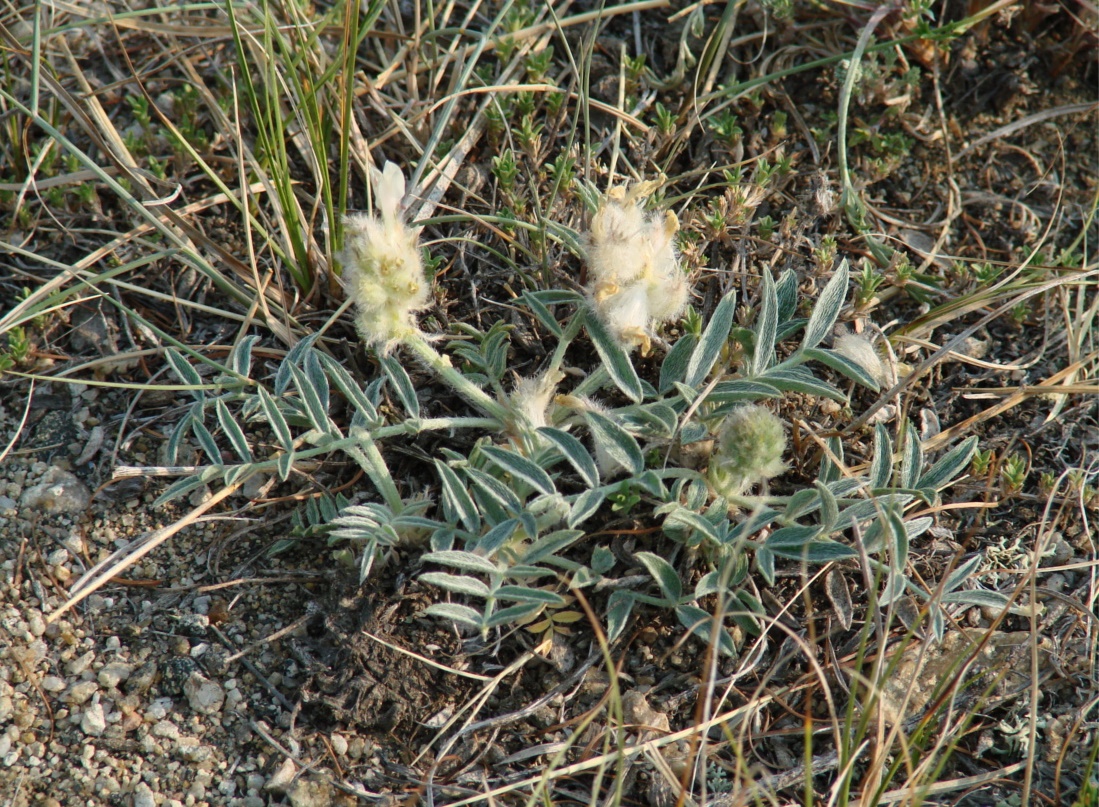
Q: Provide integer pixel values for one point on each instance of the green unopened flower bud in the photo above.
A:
(749, 450)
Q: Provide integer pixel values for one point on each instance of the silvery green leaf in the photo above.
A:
(614, 358)
(619, 606)
(495, 498)
(655, 420)
(829, 510)
(670, 584)
(839, 594)
(292, 359)
(674, 367)
(766, 326)
(788, 328)
(346, 385)
(180, 488)
(583, 578)
(240, 358)
(207, 441)
(178, 433)
(874, 507)
(275, 420)
(746, 616)
(842, 364)
(550, 544)
(233, 431)
(319, 381)
(186, 373)
(898, 556)
(842, 488)
(616, 441)
(314, 408)
(520, 468)
(881, 469)
(573, 451)
(693, 433)
(457, 503)
(786, 291)
(401, 385)
(713, 339)
(602, 560)
(829, 470)
(524, 594)
(688, 394)
(541, 312)
(895, 585)
(962, 573)
(979, 597)
(943, 472)
(912, 460)
(692, 521)
(800, 379)
(791, 539)
(284, 465)
(554, 296)
(512, 614)
(651, 483)
(461, 614)
(802, 503)
(491, 541)
(741, 390)
(701, 624)
(765, 565)
(235, 474)
(524, 572)
(586, 505)
(709, 583)
(466, 561)
(827, 307)
(459, 584)
(820, 550)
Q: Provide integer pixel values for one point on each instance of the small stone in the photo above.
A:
(52, 683)
(282, 777)
(205, 696)
(143, 796)
(142, 679)
(61, 492)
(36, 624)
(158, 710)
(310, 793)
(80, 692)
(176, 672)
(166, 728)
(93, 722)
(7, 707)
(80, 664)
(339, 744)
(114, 674)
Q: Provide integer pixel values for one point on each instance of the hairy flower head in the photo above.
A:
(382, 264)
(749, 449)
(635, 276)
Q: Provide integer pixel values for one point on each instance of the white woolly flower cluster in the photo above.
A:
(382, 265)
(635, 276)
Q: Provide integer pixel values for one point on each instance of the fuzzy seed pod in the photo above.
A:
(749, 450)
(382, 265)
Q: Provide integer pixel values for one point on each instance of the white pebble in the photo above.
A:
(94, 722)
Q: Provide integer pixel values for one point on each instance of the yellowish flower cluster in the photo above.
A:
(382, 265)
(635, 276)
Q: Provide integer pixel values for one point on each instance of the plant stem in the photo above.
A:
(442, 367)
